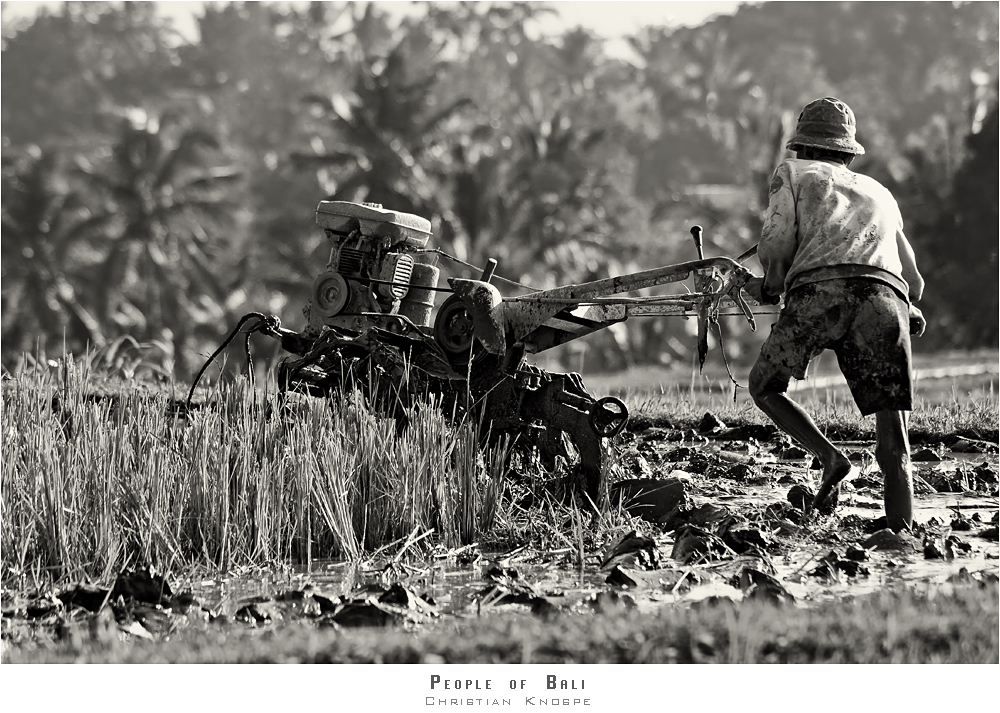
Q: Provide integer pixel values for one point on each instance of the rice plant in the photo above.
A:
(96, 482)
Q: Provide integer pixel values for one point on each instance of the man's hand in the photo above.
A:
(917, 322)
(755, 289)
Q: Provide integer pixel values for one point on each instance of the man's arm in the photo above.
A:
(910, 272)
(779, 236)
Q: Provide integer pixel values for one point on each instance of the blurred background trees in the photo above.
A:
(159, 187)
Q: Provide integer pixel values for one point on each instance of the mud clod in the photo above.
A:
(888, 540)
(858, 554)
(932, 549)
(746, 539)
(759, 585)
(708, 516)
(610, 601)
(743, 473)
(142, 585)
(960, 444)
(710, 423)
(955, 546)
(357, 614)
(633, 551)
(985, 473)
(920, 486)
(925, 455)
(85, 596)
(990, 533)
(792, 453)
(696, 545)
(651, 499)
(960, 523)
(833, 564)
(801, 497)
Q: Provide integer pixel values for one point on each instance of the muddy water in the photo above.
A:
(454, 589)
(461, 588)
(886, 567)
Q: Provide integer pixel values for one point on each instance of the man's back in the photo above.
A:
(823, 215)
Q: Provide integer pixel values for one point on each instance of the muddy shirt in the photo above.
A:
(825, 222)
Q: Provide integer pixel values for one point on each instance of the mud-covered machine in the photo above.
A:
(372, 324)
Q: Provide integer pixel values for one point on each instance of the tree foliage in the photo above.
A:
(160, 187)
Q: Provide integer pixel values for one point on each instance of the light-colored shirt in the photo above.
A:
(825, 221)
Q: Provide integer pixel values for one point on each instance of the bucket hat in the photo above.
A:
(827, 123)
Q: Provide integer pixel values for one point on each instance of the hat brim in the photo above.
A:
(834, 144)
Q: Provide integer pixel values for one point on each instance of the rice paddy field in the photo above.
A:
(136, 530)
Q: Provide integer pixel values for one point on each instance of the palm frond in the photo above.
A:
(215, 178)
(184, 155)
(301, 160)
(432, 124)
(207, 273)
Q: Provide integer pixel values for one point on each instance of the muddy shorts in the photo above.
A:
(865, 322)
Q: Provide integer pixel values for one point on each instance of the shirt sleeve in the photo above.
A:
(779, 236)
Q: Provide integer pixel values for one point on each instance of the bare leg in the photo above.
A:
(790, 418)
(892, 451)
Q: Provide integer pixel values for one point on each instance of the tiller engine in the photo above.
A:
(371, 324)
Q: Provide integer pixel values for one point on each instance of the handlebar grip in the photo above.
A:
(696, 233)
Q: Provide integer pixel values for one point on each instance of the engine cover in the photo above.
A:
(343, 218)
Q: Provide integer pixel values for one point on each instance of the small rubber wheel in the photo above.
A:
(608, 416)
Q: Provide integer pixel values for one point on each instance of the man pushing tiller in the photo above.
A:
(833, 243)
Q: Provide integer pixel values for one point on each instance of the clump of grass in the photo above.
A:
(973, 413)
(97, 486)
(936, 413)
(546, 513)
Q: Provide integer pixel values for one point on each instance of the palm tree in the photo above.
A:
(385, 130)
(162, 196)
(45, 226)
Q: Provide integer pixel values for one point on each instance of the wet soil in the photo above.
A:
(745, 512)
(720, 515)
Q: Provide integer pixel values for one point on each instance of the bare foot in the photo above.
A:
(829, 505)
(833, 473)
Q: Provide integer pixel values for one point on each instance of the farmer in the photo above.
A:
(833, 243)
